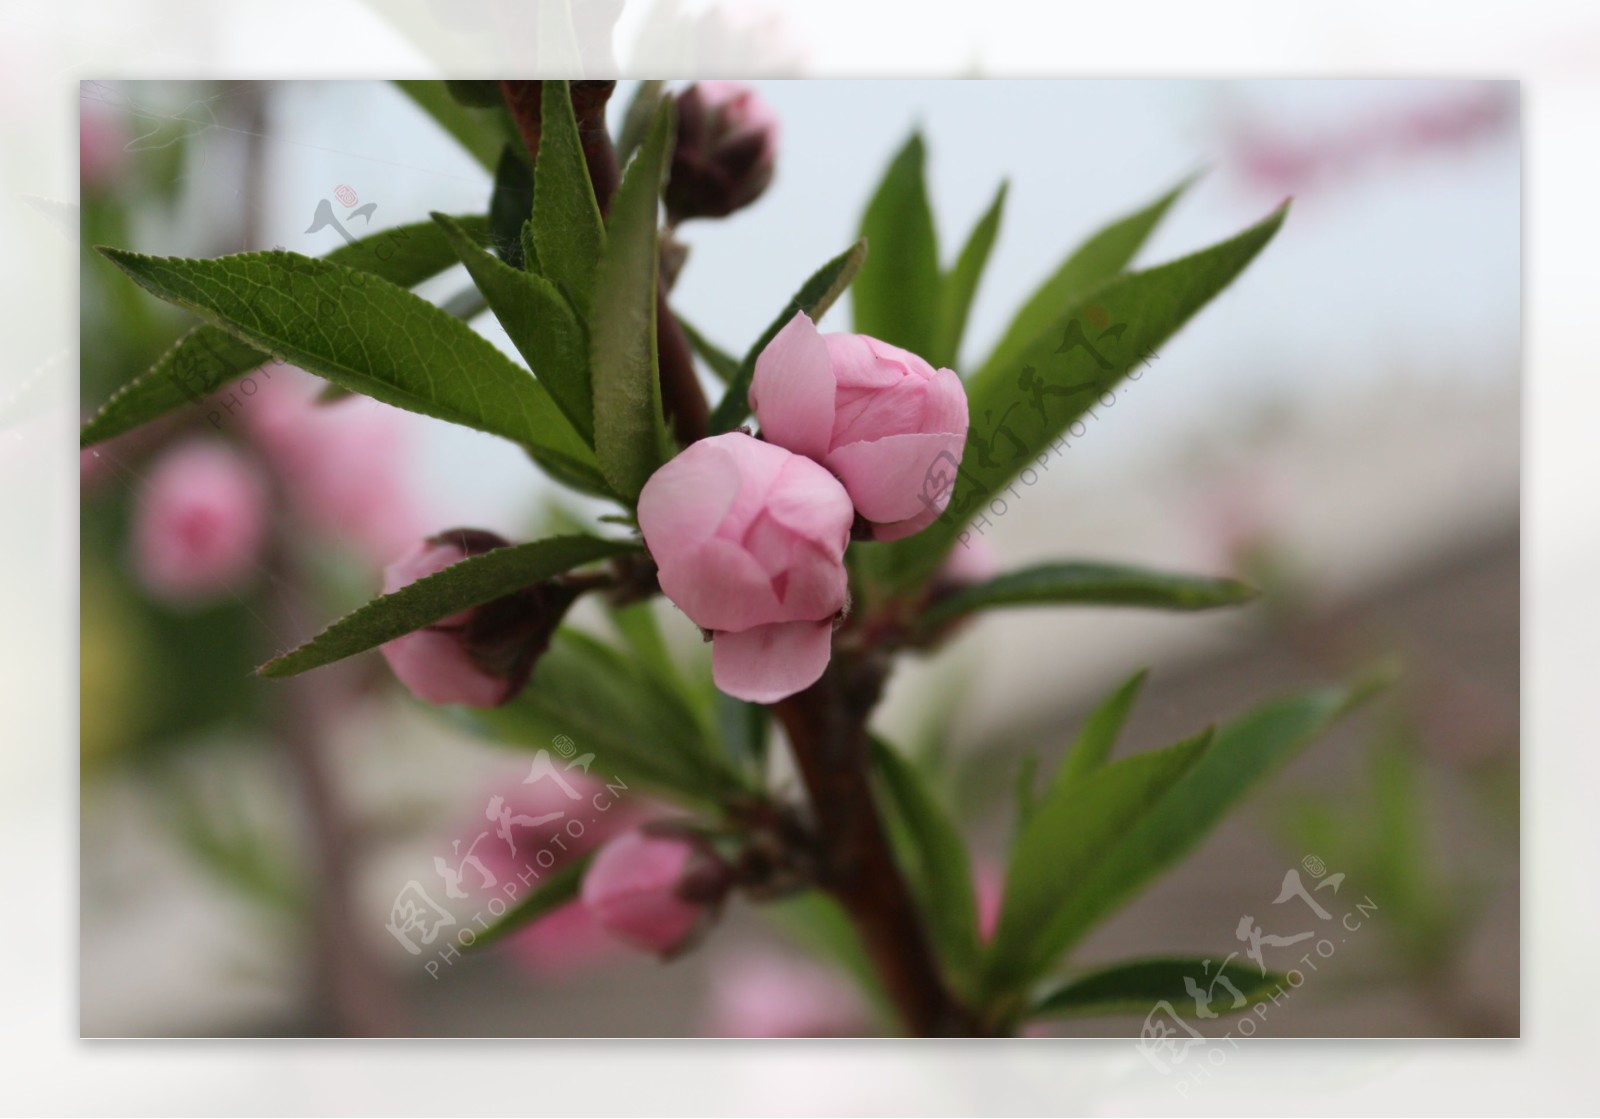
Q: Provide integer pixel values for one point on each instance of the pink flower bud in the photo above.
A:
(480, 657)
(656, 892)
(884, 421)
(750, 543)
(200, 522)
(727, 139)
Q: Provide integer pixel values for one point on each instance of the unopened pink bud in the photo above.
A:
(727, 142)
(200, 522)
(883, 420)
(480, 657)
(655, 892)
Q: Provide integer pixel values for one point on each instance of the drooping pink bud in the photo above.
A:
(727, 142)
(656, 892)
(880, 418)
(200, 522)
(750, 541)
(480, 657)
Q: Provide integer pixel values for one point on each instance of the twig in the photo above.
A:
(826, 726)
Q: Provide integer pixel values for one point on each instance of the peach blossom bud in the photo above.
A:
(880, 418)
(727, 141)
(656, 892)
(480, 657)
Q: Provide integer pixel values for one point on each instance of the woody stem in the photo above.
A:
(826, 727)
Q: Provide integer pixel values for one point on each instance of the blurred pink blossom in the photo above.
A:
(770, 995)
(344, 464)
(200, 522)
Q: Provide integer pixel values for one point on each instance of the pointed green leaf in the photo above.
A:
(461, 586)
(961, 284)
(622, 328)
(475, 130)
(943, 871)
(1244, 752)
(1136, 986)
(550, 892)
(566, 219)
(1098, 735)
(815, 297)
(539, 322)
(1020, 412)
(897, 296)
(1067, 838)
(1090, 584)
(1097, 260)
(208, 357)
(367, 335)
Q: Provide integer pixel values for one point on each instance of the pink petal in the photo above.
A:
(810, 502)
(899, 530)
(685, 501)
(768, 663)
(888, 478)
(856, 364)
(945, 404)
(792, 390)
(435, 667)
(721, 586)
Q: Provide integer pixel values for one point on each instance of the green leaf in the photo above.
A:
(1097, 260)
(539, 323)
(510, 205)
(897, 297)
(943, 873)
(1020, 412)
(722, 363)
(961, 284)
(554, 892)
(1092, 747)
(636, 118)
(1070, 835)
(472, 582)
(1242, 754)
(566, 219)
(475, 94)
(474, 130)
(628, 424)
(207, 357)
(1090, 584)
(367, 335)
(614, 706)
(1136, 986)
(815, 297)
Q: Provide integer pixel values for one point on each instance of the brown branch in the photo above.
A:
(826, 726)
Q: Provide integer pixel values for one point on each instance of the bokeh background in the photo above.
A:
(1340, 427)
